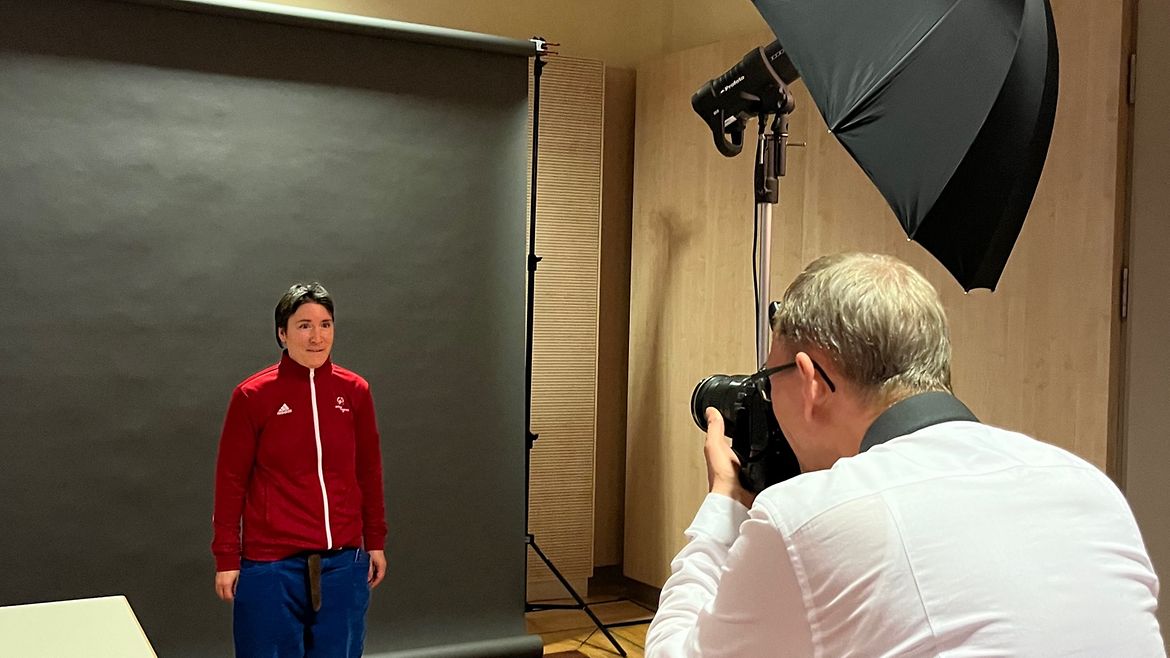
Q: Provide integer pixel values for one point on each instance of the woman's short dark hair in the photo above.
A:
(300, 293)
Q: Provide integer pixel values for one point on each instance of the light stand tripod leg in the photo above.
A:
(581, 605)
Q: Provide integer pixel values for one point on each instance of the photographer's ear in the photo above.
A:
(813, 388)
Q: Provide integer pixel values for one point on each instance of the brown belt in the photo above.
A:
(315, 580)
(314, 574)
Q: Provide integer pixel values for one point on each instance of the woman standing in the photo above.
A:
(300, 465)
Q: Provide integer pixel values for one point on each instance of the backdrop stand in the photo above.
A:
(530, 437)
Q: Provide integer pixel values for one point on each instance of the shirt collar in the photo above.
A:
(290, 367)
(915, 413)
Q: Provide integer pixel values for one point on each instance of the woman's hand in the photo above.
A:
(225, 584)
(377, 568)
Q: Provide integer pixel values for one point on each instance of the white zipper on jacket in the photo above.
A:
(320, 469)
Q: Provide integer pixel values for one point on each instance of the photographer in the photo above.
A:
(913, 529)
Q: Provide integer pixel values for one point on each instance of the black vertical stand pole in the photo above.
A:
(770, 165)
(529, 436)
(533, 259)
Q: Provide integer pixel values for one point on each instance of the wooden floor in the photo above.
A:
(568, 631)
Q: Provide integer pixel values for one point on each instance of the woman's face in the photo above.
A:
(309, 335)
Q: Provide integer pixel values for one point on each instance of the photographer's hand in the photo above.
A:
(722, 463)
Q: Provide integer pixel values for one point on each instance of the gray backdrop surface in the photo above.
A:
(164, 176)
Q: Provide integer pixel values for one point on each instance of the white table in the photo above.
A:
(91, 628)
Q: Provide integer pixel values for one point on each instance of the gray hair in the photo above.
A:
(878, 319)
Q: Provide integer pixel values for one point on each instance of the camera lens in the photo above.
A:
(698, 404)
(725, 393)
(764, 454)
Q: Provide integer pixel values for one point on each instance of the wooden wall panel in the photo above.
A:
(1035, 356)
(619, 32)
(1147, 388)
(564, 373)
(617, 191)
(690, 297)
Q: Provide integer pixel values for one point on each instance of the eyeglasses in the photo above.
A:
(764, 377)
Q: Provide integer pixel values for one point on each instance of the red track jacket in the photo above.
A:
(300, 462)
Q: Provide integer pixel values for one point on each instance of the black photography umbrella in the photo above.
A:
(947, 105)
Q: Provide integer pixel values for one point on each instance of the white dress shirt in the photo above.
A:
(958, 539)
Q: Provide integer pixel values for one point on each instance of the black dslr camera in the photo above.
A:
(764, 454)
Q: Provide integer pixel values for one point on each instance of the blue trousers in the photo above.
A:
(273, 616)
